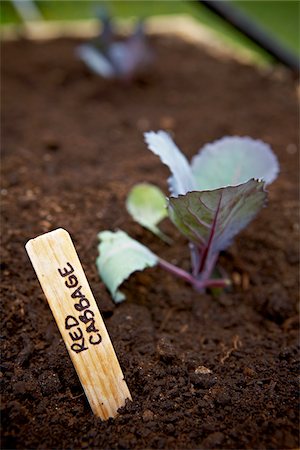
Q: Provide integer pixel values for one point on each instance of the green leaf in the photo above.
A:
(120, 256)
(233, 160)
(211, 219)
(148, 206)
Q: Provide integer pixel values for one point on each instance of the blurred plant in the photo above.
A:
(212, 200)
(27, 10)
(113, 58)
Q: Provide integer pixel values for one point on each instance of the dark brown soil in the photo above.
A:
(72, 147)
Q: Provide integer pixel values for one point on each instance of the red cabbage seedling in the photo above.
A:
(212, 200)
(111, 58)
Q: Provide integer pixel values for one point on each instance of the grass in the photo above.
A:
(279, 17)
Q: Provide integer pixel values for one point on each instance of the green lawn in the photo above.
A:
(279, 17)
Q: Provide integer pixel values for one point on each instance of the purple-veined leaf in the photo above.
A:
(161, 144)
(233, 160)
(211, 219)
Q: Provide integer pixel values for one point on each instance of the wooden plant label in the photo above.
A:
(64, 283)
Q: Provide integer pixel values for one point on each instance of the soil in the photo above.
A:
(204, 371)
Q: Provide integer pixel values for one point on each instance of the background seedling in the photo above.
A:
(112, 58)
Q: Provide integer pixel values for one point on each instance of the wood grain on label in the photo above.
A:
(66, 288)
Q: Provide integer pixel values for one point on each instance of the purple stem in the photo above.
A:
(209, 267)
(195, 258)
(190, 279)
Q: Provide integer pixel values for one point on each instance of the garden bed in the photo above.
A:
(204, 372)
